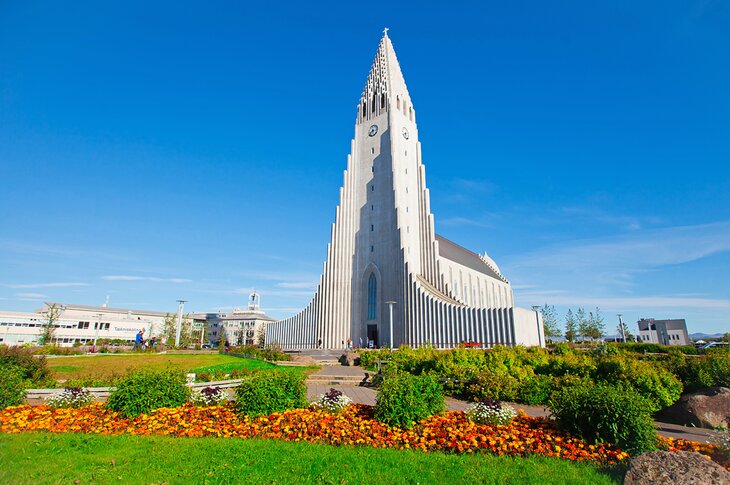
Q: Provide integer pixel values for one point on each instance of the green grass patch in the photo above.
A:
(80, 458)
(68, 368)
(248, 364)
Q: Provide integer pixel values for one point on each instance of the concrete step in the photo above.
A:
(335, 380)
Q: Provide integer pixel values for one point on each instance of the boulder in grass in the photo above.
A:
(675, 468)
(706, 408)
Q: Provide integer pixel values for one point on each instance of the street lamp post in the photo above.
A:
(536, 308)
(390, 303)
(180, 306)
(621, 326)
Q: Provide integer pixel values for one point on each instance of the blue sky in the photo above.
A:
(153, 151)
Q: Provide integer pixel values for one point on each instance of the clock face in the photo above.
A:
(405, 133)
(373, 130)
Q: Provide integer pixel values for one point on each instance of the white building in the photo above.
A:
(238, 327)
(80, 324)
(385, 259)
(664, 332)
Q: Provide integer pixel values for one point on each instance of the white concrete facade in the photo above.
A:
(384, 249)
(80, 324)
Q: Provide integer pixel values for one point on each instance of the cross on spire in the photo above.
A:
(385, 32)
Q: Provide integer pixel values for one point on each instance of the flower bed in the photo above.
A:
(450, 432)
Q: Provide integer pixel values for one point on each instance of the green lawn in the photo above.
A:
(102, 369)
(79, 458)
(250, 364)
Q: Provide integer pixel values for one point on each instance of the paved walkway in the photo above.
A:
(366, 395)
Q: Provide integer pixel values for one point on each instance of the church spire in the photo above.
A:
(385, 82)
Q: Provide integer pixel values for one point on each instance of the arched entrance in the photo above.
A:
(371, 310)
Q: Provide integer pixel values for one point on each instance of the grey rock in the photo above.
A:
(676, 468)
(706, 408)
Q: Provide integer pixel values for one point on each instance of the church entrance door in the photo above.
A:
(372, 335)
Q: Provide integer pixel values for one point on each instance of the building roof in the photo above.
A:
(234, 315)
(458, 254)
(103, 309)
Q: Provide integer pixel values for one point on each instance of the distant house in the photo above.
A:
(664, 332)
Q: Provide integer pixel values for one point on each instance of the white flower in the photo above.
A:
(491, 411)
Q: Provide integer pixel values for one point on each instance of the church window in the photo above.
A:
(406, 152)
(406, 171)
(382, 100)
(410, 113)
(372, 297)
(372, 227)
(397, 102)
(372, 150)
(372, 188)
(406, 190)
(372, 207)
(372, 249)
(373, 169)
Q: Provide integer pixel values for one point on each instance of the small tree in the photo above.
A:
(51, 316)
(170, 330)
(261, 337)
(583, 329)
(550, 322)
(596, 328)
(571, 326)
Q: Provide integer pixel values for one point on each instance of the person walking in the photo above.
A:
(138, 340)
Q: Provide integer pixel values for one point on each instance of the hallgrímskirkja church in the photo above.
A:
(388, 278)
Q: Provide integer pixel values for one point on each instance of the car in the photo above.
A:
(714, 345)
(207, 346)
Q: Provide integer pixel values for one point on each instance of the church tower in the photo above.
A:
(384, 255)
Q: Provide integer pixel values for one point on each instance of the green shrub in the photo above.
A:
(270, 392)
(144, 390)
(33, 369)
(655, 383)
(606, 413)
(56, 350)
(12, 386)
(405, 399)
(562, 348)
(536, 390)
(270, 352)
(651, 348)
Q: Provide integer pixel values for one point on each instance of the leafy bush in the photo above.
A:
(240, 373)
(709, 370)
(270, 392)
(562, 348)
(56, 350)
(34, 369)
(208, 396)
(658, 385)
(12, 386)
(491, 411)
(536, 390)
(405, 399)
(606, 413)
(71, 397)
(494, 384)
(333, 401)
(651, 348)
(144, 390)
